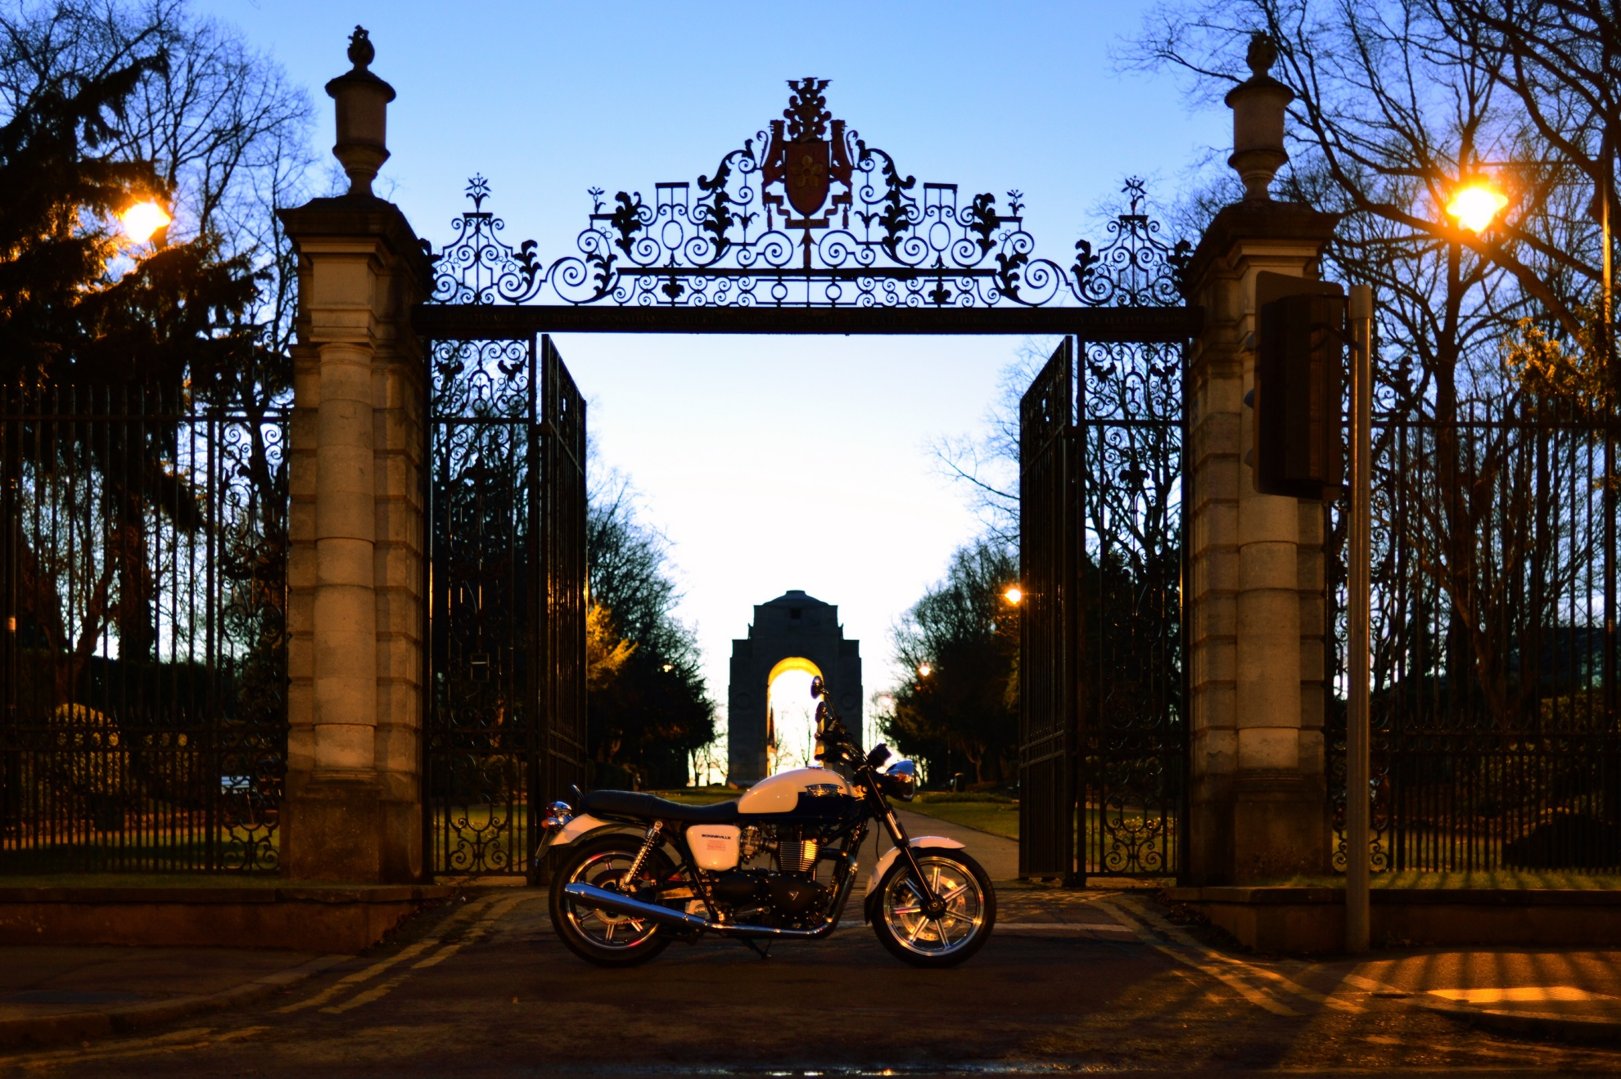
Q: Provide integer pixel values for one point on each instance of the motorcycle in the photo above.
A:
(777, 863)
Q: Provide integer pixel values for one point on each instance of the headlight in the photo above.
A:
(899, 780)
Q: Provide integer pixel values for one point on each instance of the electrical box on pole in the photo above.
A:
(1298, 446)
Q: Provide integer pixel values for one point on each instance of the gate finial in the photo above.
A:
(362, 102)
(1258, 106)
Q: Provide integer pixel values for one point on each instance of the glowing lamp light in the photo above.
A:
(143, 220)
(1014, 594)
(924, 670)
(1476, 204)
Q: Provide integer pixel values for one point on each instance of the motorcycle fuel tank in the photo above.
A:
(804, 790)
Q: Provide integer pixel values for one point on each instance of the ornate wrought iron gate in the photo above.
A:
(506, 715)
(1133, 750)
(1049, 522)
(1101, 672)
(808, 228)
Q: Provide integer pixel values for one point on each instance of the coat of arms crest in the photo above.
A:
(807, 155)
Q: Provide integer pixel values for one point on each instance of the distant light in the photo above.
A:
(1014, 594)
(143, 220)
(924, 670)
(1476, 204)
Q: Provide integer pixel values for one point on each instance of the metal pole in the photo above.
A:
(1613, 373)
(1358, 638)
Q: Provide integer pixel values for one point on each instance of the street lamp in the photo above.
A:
(1014, 594)
(144, 219)
(1475, 204)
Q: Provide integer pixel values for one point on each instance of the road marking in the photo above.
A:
(174, 1041)
(494, 910)
(1235, 973)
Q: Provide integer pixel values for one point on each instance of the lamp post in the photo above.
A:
(1358, 735)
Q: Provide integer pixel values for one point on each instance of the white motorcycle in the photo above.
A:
(633, 872)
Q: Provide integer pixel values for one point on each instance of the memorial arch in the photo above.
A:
(794, 632)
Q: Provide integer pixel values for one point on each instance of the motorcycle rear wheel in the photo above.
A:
(906, 929)
(604, 937)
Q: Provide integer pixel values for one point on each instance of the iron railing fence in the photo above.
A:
(1496, 739)
(143, 539)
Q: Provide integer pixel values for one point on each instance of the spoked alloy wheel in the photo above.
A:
(603, 936)
(910, 931)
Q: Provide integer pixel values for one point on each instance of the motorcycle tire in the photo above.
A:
(603, 937)
(910, 934)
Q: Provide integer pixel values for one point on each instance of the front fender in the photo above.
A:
(918, 842)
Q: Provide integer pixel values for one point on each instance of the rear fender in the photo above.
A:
(918, 843)
(578, 827)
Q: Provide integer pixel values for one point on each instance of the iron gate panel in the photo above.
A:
(1133, 752)
(506, 599)
(1103, 743)
(563, 507)
(1049, 518)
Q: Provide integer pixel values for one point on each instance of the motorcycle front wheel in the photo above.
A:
(910, 932)
(605, 937)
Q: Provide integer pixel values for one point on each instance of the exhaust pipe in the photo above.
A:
(590, 895)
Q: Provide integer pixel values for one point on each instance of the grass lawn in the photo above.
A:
(994, 813)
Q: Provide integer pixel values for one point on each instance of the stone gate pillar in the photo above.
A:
(355, 573)
(1256, 604)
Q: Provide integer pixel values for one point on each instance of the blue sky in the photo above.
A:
(770, 463)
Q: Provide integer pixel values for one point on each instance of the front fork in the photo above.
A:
(933, 905)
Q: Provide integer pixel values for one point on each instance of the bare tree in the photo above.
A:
(1395, 103)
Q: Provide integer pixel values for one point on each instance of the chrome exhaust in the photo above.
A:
(590, 895)
(603, 899)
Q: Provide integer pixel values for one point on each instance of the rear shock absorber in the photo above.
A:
(648, 842)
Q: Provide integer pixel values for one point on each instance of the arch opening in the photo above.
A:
(790, 724)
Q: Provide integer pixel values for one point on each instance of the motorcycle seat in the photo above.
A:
(652, 807)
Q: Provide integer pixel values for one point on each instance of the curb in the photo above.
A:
(55, 1029)
(1540, 1025)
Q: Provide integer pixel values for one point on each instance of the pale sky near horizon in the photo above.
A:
(770, 463)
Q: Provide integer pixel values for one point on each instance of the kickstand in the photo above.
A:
(763, 953)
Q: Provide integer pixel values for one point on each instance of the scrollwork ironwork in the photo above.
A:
(808, 214)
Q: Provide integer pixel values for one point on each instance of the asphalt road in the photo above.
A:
(1090, 982)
